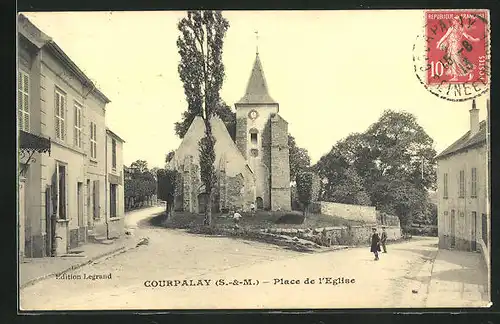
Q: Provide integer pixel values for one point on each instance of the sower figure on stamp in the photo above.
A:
(375, 246)
(383, 239)
(452, 43)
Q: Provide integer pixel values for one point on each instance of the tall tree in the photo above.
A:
(308, 188)
(299, 158)
(202, 72)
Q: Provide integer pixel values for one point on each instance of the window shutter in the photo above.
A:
(56, 108)
(26, 102)
(63, 116)
(20, 99)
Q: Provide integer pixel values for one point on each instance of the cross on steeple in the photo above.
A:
(257, 42)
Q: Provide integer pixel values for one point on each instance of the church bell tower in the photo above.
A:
(262, 138)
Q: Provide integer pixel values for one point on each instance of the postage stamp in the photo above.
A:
(197, 183)
(453, 53)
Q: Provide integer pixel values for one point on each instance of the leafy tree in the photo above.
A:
(169, 157)
(299, 158)
(166, 188)
(154, 172)
(393, 160)
(140, 183)
(202, 73)
(307, 189)
(349, 189)
(139, 166)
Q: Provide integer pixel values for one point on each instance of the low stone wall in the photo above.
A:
(366, 214)
(338, 235)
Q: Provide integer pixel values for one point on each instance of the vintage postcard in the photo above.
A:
(203, 160)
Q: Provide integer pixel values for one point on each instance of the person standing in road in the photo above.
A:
(375, 246)
(383, 239)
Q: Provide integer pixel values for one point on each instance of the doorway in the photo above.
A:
(474, 231)
(89, 208)
(112, 200)
(61, 191)
(260, 203)
(22, 218)
(452, 227)
(79, 195)
(50, 223)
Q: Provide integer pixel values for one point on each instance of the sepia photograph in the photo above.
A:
(253, 160)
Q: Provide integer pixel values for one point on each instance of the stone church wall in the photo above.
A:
(241, 135)
(280, 164)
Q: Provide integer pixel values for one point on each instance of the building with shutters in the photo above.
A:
(64, 193)
(463, 190)
(253, 169)
(115, 197)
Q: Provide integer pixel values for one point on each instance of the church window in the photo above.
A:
(254, 138)
(254, 152)
(253, 135)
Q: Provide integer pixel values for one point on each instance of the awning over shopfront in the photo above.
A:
(29, 144)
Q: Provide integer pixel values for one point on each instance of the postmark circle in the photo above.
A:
(451, 59)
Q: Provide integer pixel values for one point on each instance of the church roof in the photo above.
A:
(257, 92)
(226, 151)
(466, 142)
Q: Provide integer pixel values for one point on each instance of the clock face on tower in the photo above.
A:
(253, 114)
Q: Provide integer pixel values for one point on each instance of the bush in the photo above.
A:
(424, 230)
(291, 218)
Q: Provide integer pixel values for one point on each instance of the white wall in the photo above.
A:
(78, 166)
(473, 158)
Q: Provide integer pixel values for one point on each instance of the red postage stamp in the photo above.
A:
(457, 46)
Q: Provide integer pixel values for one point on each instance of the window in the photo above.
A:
(254, 152)
(23, 101)
(113, 152)
(60, 112)
(461, 193)
(62, 191)
(93, 140)
(78, 125)
(473, 192)
(445, 185)
(484, 228)
(253, 135)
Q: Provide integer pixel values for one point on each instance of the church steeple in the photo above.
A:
(257, 92)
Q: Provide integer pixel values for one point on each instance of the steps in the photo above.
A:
(99, 239)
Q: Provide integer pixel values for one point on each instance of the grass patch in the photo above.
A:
(249, 227)
(261, 219)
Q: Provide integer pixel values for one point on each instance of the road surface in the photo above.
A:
(194, 272)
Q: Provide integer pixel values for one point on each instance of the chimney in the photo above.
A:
(474, 119)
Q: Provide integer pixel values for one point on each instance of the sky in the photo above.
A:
(332, 72)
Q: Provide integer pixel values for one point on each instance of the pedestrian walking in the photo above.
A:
(375, 246)
(252, 209)
(383, 239)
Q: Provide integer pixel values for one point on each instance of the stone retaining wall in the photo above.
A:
(338, 235)
(366, 214)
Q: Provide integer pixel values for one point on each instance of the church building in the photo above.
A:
(255, 169)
